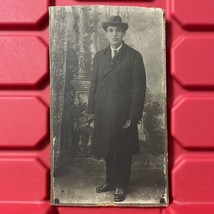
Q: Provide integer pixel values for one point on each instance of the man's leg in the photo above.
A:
(111, 176)
(123, 168)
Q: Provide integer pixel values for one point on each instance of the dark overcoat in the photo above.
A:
(117, 93)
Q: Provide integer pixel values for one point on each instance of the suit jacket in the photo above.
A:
(117, 93)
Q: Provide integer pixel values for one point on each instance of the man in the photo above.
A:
(116, 98)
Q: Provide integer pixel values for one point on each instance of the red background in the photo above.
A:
(25, 98)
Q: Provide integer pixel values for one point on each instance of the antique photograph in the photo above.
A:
(108, 106)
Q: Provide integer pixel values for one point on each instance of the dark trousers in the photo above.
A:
(118, 169)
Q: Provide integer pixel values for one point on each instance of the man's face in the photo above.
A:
(115, 36)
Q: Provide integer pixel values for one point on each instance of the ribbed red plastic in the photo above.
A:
(24, 105)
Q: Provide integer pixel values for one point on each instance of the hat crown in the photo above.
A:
(115, 19)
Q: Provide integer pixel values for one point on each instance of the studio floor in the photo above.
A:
(77, 186)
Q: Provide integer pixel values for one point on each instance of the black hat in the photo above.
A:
(115, 21)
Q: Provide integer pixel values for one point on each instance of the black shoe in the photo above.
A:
(120, 194)
(105, 188)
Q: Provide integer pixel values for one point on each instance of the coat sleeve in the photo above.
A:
(93, 86)
(138, 89)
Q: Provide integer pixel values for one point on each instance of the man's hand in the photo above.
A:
(127, 124)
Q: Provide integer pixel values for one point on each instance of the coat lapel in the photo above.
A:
(112, 63)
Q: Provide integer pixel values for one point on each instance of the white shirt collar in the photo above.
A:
(113, 50)
(117, 49)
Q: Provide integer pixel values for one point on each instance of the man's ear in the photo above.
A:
(106, 35)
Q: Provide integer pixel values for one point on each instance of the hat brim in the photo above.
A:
(123, 25)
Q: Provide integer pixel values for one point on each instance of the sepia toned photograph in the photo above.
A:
(108, 106)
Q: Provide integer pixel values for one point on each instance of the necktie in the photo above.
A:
(114, 53)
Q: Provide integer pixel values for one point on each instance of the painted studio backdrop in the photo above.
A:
(76, 35)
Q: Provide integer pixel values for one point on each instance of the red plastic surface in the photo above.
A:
(23, 59)
(15, 171)
(192, 180)
(191, 120)
(190, 13)
(189, 67)
(22, 12)
(24, 103)
(25, 121)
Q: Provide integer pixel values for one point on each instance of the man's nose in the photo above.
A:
(115, 33)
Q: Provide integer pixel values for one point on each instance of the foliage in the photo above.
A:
(153, 120)
(82, 120)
